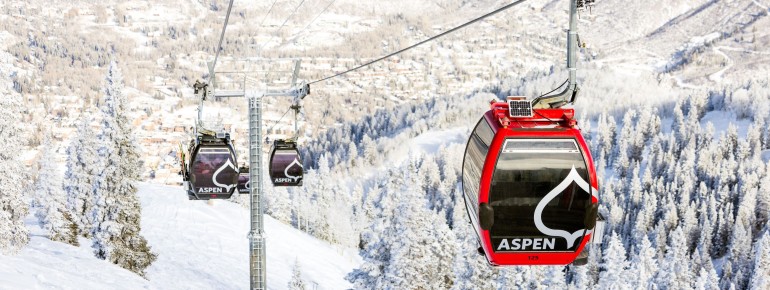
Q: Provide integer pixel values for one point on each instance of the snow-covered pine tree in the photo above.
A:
(421, 246)
(277, 203)
(740, 249)
(614, 265)
(117, 214)
(13, 207)
(353, 155)
(707, 278)
(763, 198)
(580, 277)
(760, 277)
(471, 269)
(675, 271)
(296, 282)
(370, 150)
(83, 166)
(407, 245)
(554, 278)
(519, 277)
(376, 254)
(644, 265)
(52, 213)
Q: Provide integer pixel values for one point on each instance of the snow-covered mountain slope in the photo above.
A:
(199, 246)
(655, 74)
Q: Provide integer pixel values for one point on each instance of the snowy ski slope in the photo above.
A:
(199, 246)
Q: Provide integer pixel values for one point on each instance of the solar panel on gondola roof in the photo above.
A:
(520, 108)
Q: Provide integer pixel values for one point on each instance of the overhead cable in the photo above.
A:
(268, 13)
(221, 38)
(316, 17)
(282, 25)
(501, 9)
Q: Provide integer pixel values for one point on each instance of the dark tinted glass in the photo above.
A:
(473, 163)
(540, 145)
(243, 183)
(286, 168)
(525, 173)
(213, 171)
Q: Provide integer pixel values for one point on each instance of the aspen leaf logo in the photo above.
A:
(573, 176)
(216, 173)
(286, 171)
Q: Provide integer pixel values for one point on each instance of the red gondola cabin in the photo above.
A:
(530, 186)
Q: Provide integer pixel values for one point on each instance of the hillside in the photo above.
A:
(199, 246)
(673, 102)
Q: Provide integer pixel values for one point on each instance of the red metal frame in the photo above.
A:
(505, 127)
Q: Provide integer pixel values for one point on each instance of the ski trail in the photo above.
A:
(682, 84)
(717, 76)
(744, 50)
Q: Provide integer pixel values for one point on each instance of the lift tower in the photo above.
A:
(246, 83)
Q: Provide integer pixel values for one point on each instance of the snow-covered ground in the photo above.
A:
(199, 246)
(722, 120)
(430, 142)
(44, 264)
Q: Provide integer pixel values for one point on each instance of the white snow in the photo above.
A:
(430, 142)
(199, 246)
(722, 120)
(702, 40)
(44, 264)
(717, 76)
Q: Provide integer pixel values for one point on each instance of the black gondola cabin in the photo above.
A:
(285, 164)
(243, 181)
(210, 172)
(529, 186)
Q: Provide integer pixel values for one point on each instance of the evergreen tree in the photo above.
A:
(707, 277)
(554, 278)
(376, 255)
(277, 203)
(408, 246)
(117, 214)
(370, 150)
(14, 181)
(518, 278)
(760, 277)
(740, 252)
(725, 280)
(353, 160)
(644, 265)
(614, 265)
(422, 250)
(763, 199)
(52, 214)
(471, 269)
(675, 269)
(296, 282)
(83, 166)
(582, 277)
